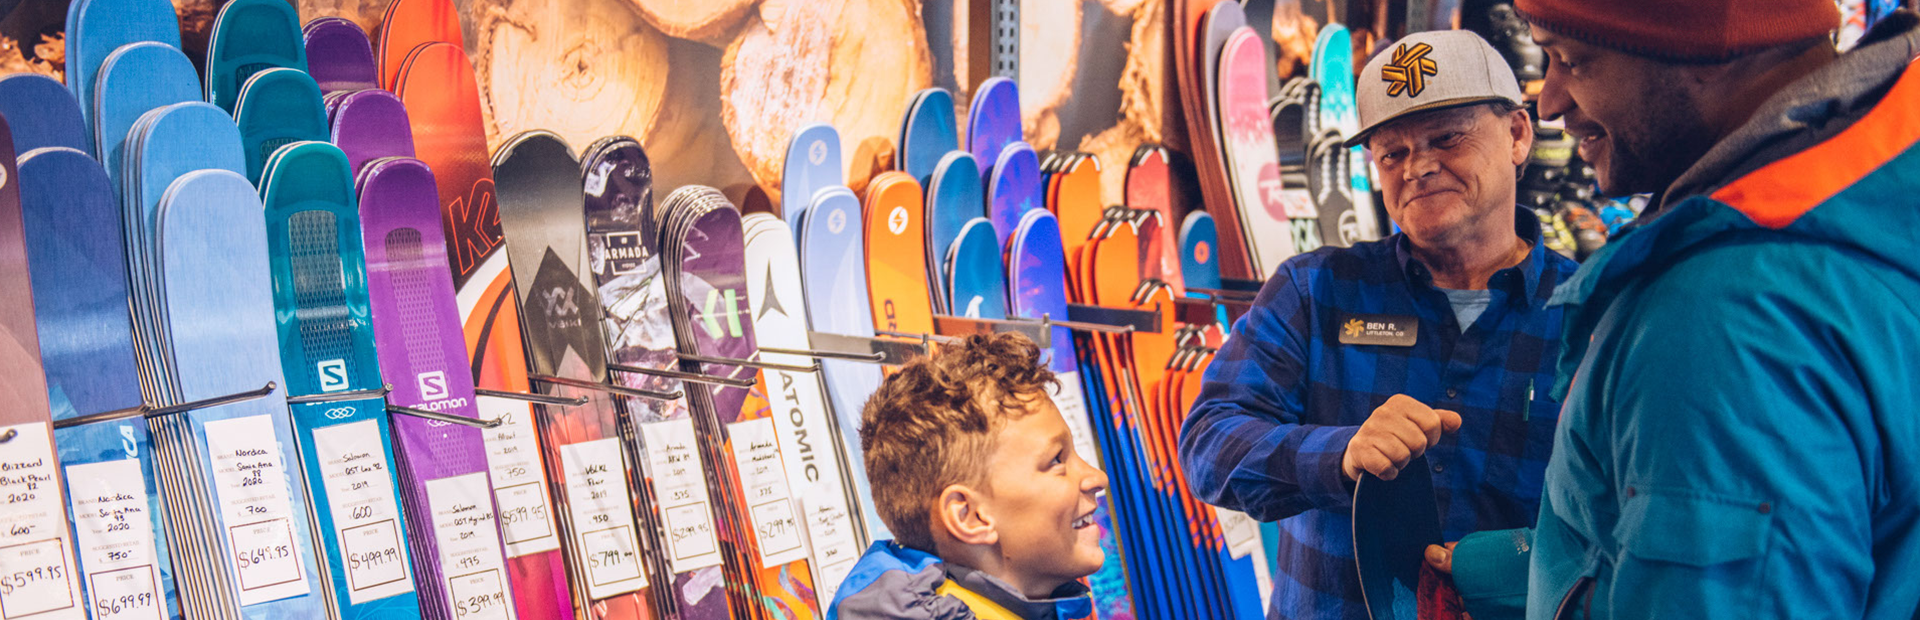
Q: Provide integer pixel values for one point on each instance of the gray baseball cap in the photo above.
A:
(1428, 71)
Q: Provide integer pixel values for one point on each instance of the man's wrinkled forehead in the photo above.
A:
(1418, 124)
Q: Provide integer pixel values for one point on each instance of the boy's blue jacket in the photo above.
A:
(1741, 432)
(891, 581)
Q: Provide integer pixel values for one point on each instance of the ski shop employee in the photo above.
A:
(1739, 438)
(1436, 342)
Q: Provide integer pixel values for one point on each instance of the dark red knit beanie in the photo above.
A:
(1684, 30)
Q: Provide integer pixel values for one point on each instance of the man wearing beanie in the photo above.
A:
(1419, 353)
(1740, 437)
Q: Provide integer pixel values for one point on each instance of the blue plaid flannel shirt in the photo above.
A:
(1284, 396)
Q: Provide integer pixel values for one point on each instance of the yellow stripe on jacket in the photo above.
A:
(982, 608)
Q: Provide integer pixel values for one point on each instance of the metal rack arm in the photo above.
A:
(606, 388)
(541, 399)
(683, 376)
(96, 418)
(379, 392)
(443, 417)
(827, 355)
(238, 397)
(728, 361)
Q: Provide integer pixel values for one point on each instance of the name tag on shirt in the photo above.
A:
(1379, 329)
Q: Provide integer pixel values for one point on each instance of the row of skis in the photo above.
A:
(294, 349)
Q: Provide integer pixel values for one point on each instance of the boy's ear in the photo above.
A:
(960, 511)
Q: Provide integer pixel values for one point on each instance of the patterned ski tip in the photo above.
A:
(812, 164)
(954, 197)
(278, 107)
(408, 25)
(372, 124)
(993, 121)
(339, 55)
(250, 36)
(1198, 251)
(927, 135)
(979, 282)
(1014, 188)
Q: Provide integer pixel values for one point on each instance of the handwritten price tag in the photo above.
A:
(602, 516)
(763, 477)
(250, 483)
(126, 594)
(520, 487)
(36, 558)
(366, 515)
(673, 461)
(470, 553)
(112, 515)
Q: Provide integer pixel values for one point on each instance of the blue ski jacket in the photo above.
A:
(1741, 380)
(899, 583)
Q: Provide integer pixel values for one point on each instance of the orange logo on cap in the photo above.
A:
(1409, 70)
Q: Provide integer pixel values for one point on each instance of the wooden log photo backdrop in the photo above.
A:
(714, 88)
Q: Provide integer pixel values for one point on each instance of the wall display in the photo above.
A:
(1113, 161)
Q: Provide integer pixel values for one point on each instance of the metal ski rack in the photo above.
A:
(596, 386)
(237, 397)
(379, 392)
(863, 348)
(728, 361)
(1087, 318)
(444, 417)
(683, 376)
(104, 416)
(957, 326)
(1193, 311)
(539, 399)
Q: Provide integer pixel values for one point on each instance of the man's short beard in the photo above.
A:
(1650, 154)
